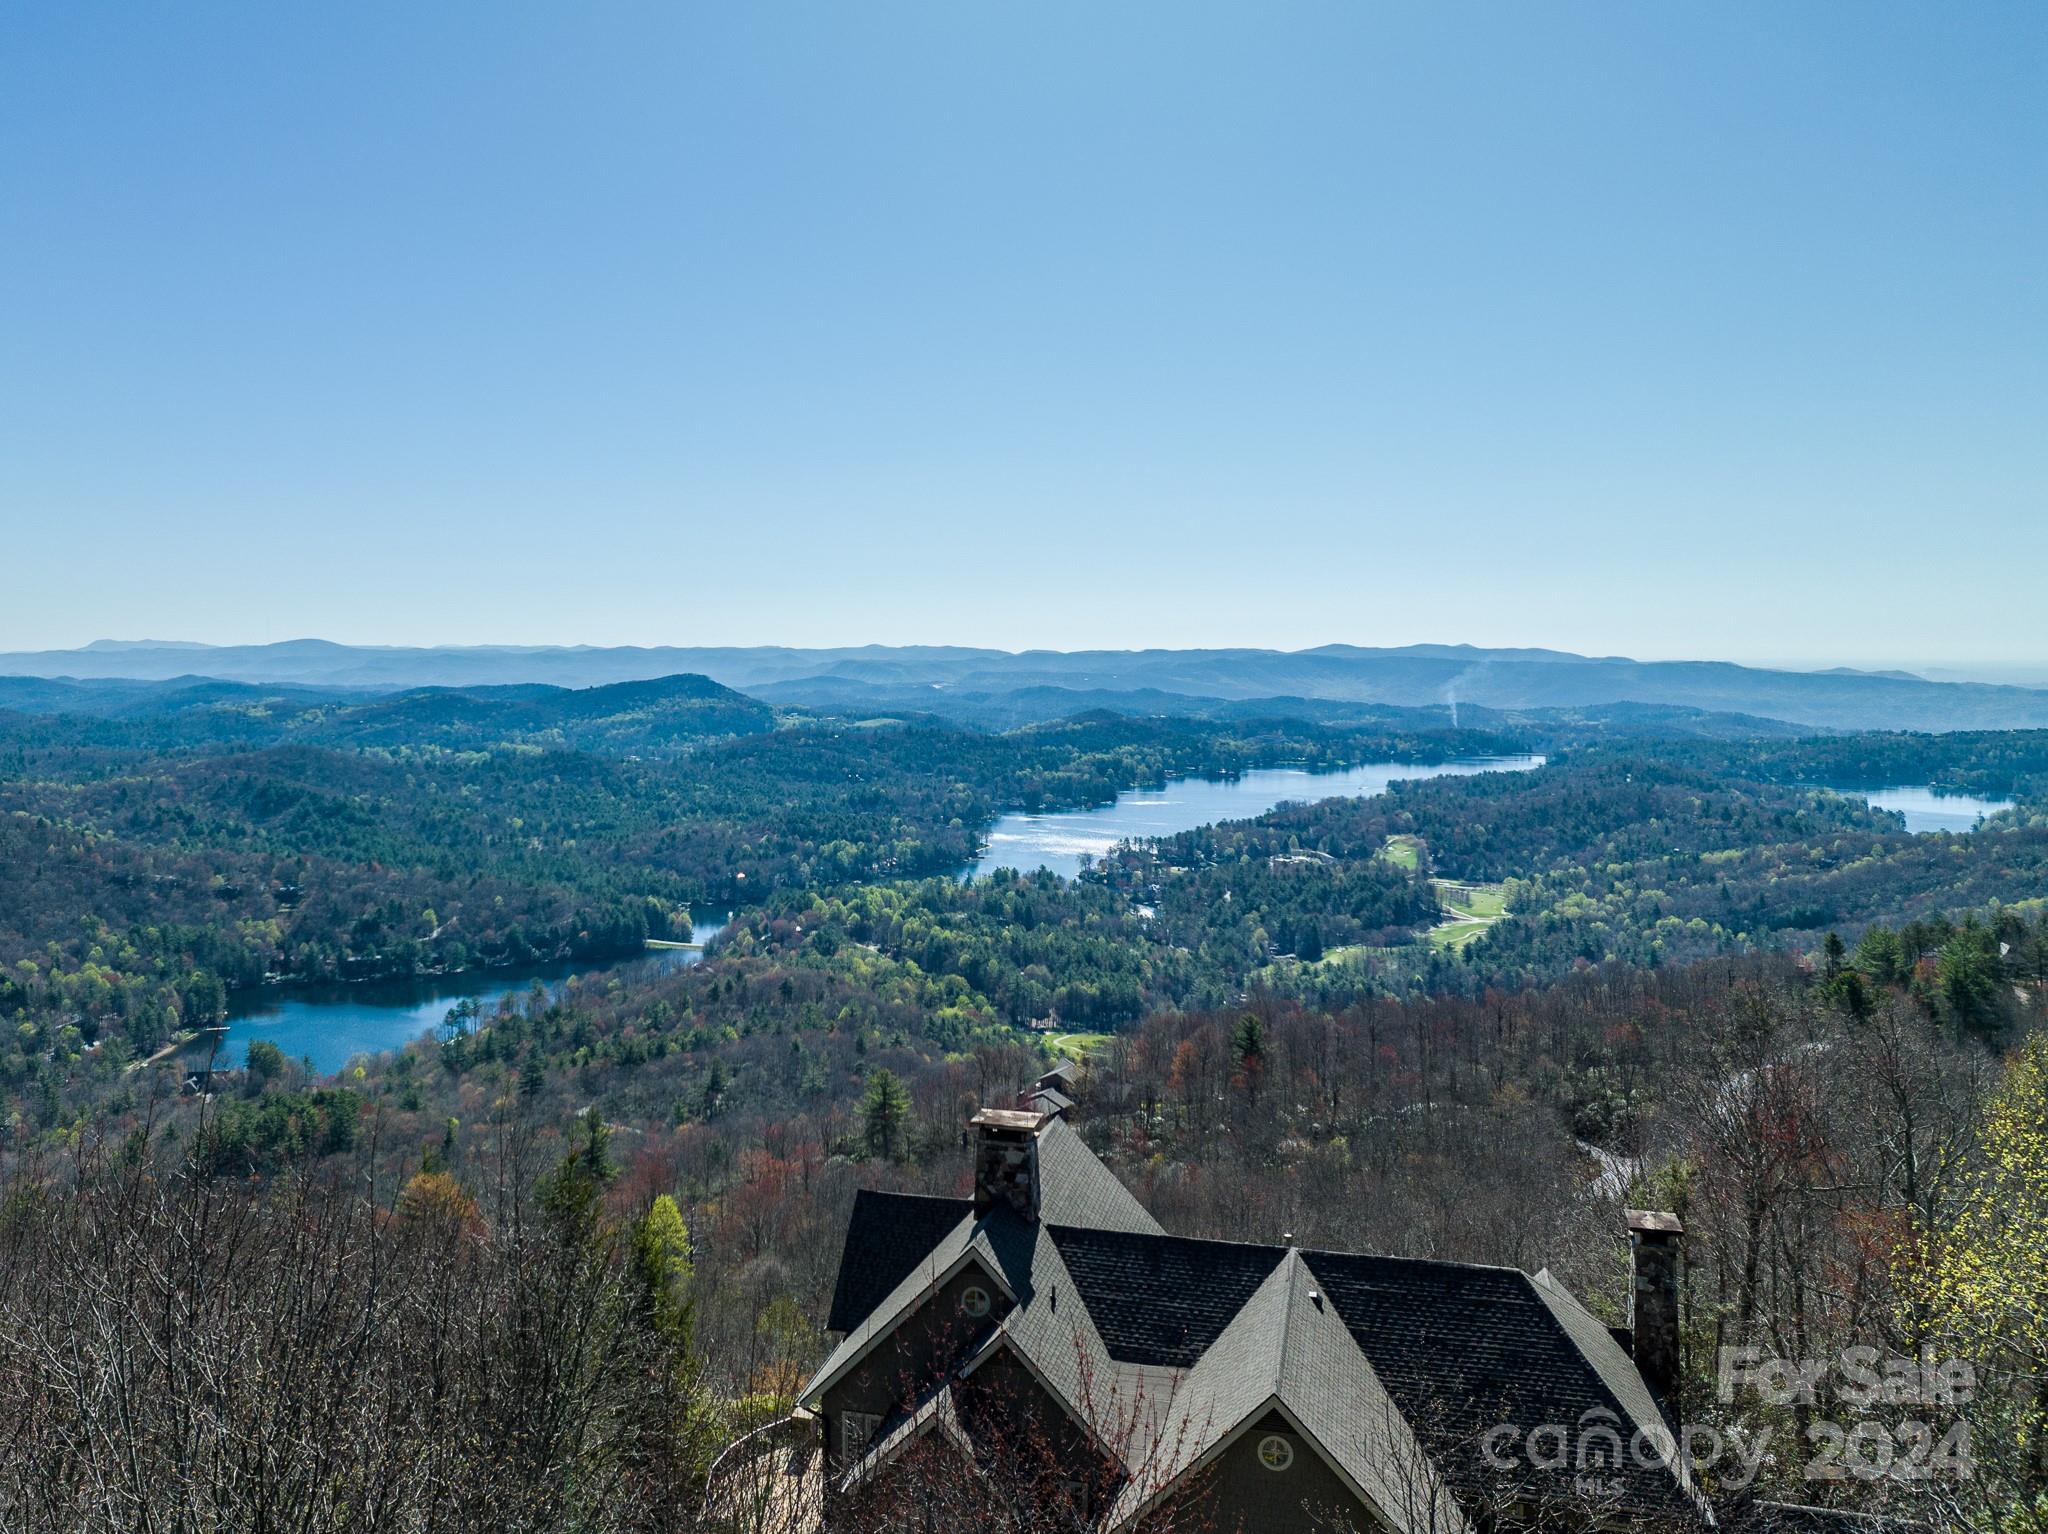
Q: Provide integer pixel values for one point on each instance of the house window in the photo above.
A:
(974, 1300)
(1075, 1490)
(1275, 1452)
(856, 1432)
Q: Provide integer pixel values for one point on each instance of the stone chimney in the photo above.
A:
(1656, 1251)
(1006, 1160)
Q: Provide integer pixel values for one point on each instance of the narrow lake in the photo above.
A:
(1059, 841)
(1924, 809)
(330, 1024)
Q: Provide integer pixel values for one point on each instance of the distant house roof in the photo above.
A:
(1050, 1100)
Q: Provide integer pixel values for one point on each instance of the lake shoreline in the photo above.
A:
(1057, 840)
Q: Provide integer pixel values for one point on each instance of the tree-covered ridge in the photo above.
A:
(145, 881)
(664, 716)
(757, 1091)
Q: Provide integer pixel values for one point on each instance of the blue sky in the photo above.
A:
(1651, 329)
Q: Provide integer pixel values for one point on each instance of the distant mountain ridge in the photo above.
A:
(654, 717)
(1410, 676)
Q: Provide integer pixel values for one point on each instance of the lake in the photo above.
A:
(330, 1024)
(1924, 809)
(1059, 841)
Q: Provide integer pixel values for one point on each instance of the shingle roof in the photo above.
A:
(1162, 1299)
(935, 1409)
(1075, 1188)
(1050, 1328)
(1461, 1348)
(1466, 1348)
(963, 1241)
(889, 1232)
(1617, 1372)
(1287, 1349)
(1440, 1352)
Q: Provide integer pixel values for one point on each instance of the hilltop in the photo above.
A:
(1004, 686)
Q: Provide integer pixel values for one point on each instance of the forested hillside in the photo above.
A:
(1471, 1018)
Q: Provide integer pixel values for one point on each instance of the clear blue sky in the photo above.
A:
(1663, 329)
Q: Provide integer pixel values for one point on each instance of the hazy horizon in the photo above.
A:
(2016, 672)
(1705, 332)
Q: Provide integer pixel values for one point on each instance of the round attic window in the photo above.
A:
(974, 1300)
(1275, 1452)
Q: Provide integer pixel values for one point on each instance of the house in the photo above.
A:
(1050, 1101)
(1060, 1078)
(1047, 1328)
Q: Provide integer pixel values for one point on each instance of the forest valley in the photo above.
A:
(534, 1271)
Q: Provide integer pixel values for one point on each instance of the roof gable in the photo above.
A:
(887, 1236)
(1287, 1350)
(967, 1243)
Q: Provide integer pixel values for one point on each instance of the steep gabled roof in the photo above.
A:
(1461, 1348)
(1162, 1299)
(1616, 1370)
(888, 1234)
(934, 1411)
(1371, 1359)
(1049, 1100)
(1286, 1350)
(1464, 1348)
(1075, 1188)
(966, 1242)
(1051, 1333)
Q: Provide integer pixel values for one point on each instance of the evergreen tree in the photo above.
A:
(884, 1112)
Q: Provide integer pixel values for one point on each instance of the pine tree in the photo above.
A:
(884, 1111)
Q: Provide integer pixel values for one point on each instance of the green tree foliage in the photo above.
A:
(1981, 1281)
(884, 1115)
(662, 1269)
(265, 1061)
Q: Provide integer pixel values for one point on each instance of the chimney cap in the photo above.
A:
(1655, 1220)
(1009, 1118)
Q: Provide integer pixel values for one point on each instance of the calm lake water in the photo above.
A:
(1925, 810)
(1059, 841)
(332, 1024)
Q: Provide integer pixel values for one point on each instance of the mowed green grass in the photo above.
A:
(1079, 1046)
(1403, 851)
(1478, 905)
(1453, 939)
(1488, 902)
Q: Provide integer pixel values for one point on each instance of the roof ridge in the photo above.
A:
(1305, 1251)
(1426, 1262)
(1294, 1267)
